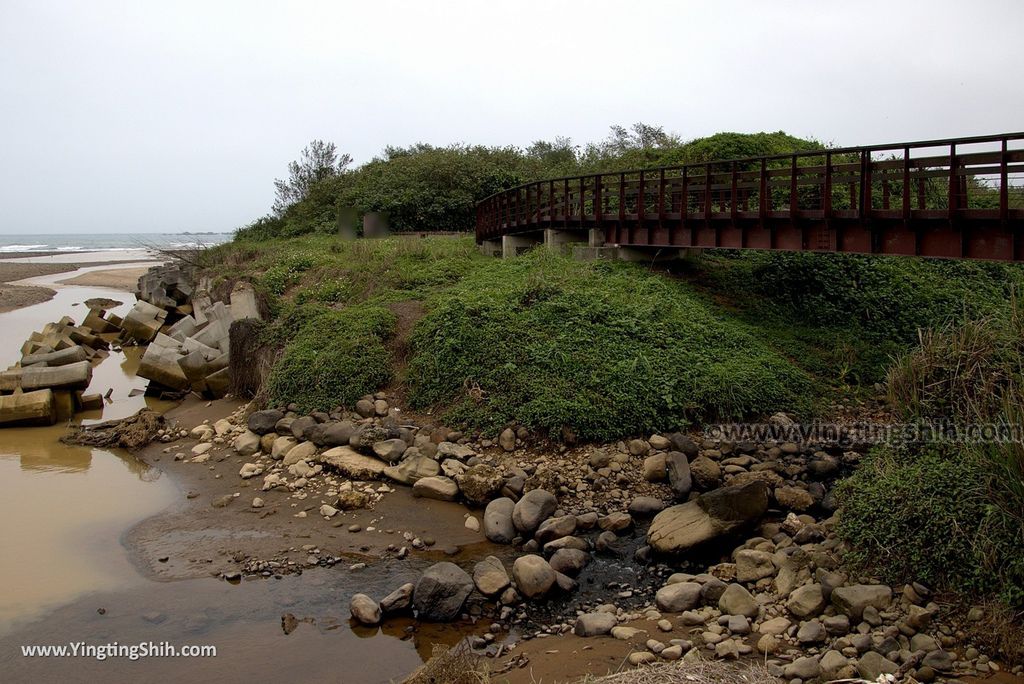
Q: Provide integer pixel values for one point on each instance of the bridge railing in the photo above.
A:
(976, 178)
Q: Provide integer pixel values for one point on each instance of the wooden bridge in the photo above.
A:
(956, 198)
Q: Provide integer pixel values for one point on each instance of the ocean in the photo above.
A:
(107, 242)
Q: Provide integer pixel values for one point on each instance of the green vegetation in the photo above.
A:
(952, 514)
(604, 348)
(331, 358)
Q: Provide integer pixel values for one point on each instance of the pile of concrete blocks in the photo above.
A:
(49, 383)
(189, 342)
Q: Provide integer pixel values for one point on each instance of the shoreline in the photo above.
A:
(18, 288)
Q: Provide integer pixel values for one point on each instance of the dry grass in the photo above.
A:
(682, 672)
(455, 665)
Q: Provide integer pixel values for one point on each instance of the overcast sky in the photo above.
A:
(177, 115)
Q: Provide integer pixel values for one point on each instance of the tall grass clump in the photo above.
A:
(950, 513)
(606, 349)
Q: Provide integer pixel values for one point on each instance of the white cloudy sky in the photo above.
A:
(171, 116)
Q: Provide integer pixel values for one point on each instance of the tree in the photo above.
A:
(319, 160)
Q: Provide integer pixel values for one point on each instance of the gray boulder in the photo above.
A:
(413, 469)
(716, 513)
(594, 624)
(569, 561)
(532, 509)
(555, 528)
(262, 422)
(338, 434)
(678, 597)
(498, 525)
(852, 600)
(247, 443)
(441, 591)
(533, 575)
(398, 600)
(364, 610)
(490, 576)
(736, 600)
(480, 484)
(436, 487)
(678, 473)
(389, 450)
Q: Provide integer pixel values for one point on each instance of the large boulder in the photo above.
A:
(490, 576)
(399, 599)
(711, 515)
(555, 528)
(736, 600)
(852, 600)
(498, 525)
(352, 464)
(678, 597)
(569, 561)
(752, 565)
(532, 509)
(338, 434)
(436, 487)
(247, 443)
(389, 450)
(594, 624)
(806, 601)
(533, 575)
(441, 591)
(412, 469)
(679, 473)
(480, 483)
(262, 422)
(364, 610)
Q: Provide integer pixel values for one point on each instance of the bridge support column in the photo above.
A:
(514, 245)
(491, 248)
(559, 238)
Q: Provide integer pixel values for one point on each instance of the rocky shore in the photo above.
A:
(666, 548)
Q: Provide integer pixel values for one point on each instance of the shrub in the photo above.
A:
(330, 358)
(914, 514)
(605, 348)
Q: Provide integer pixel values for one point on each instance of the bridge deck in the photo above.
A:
(959, 198)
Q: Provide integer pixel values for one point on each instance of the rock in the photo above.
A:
(594, 624)
(533, 575)
(624, 633)
(262, 422)
(852, 600)
(713, 514)
(300, 425)
(364, 610)
(637, 658)
(679, 597)
(811, 632)
(282, 445)
(654, 469)
(459, 452)
(200, 449)
(250, 470)
(328, 511)
(413, 469)
(923, 642)
(555, 528)
(246, 444)
(832, 662)
(736, 600)
(306, 451)
(399, 599)
(472, 524)
(794, 498)
(532, 509)
(222, 501)
(390, 450)
(674, 652)
(480, 483)
(364, 407)
(498, 525)
(872, 664)
(490, 576)
(806, 601)
(645, 506)
(727, 649)
(706, 473)
(774, 626)
(678, 473)
(352, 500)
(507, 439)
(803, 668)
(752, 565)
(436, 487)
(768, 644)
(338, 434)
(837, 624)
(352, 464)
(257, 502)
(939, 660)
(380, 407)
(615, 522)
(569, 561)
(638, 447)
(441, 591)
(660, 442)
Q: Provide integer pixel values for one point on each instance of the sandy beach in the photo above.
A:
(15, 294)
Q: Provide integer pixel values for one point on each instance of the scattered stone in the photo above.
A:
(364, 610)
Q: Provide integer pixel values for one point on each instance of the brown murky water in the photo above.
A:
(66, 577)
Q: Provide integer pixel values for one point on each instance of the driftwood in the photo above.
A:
(133, 432)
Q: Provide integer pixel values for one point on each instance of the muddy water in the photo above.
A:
(68, 578)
